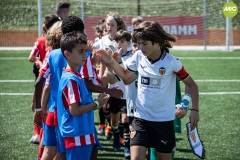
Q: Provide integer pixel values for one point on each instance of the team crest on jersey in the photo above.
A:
(162, 70)
(133, 133)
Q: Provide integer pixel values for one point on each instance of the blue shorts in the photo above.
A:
(49, 136)
(60, 142)
(79, 152)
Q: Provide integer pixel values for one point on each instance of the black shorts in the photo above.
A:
(159, 135)
(115, 105)
(35, 71)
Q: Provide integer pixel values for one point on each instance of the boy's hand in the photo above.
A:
(180, 111)
(194, 118)
(45, 113)
(102, 99)
(33, 106)
(116, 56)
(38, 118)
(116, 92)
(90, 46)
(38, 64)
(106, 56)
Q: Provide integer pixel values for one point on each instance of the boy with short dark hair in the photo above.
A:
(75, 107)
(62, 9)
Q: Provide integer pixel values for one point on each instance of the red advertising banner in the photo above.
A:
(183, 27)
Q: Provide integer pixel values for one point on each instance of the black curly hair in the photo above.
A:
(72, 23)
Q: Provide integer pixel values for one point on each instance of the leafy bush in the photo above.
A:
(23, 14)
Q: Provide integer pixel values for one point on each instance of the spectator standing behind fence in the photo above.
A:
(62, 10)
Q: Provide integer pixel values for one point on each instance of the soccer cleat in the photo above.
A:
(127, 154)
(35, 139)
(121, 141)
(116, 144)
(101, 129)
(108, 133)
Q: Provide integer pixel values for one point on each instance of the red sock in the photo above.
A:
(40, 152)
(41, 146)
(41, 134)
(36, 130)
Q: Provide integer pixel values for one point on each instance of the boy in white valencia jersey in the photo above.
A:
(155, 104)
(156, 78)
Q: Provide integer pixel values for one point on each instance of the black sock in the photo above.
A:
(126, 135)
(121, 129)
(101, 116)
(115, 131)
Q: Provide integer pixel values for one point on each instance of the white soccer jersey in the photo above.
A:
(130, 90)
(156, 86)
(104, 43)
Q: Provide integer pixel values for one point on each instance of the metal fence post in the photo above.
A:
(204, 24)
(228, 31)
(82, 8)
(39, 18)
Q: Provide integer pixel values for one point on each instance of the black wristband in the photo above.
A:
(194, 110)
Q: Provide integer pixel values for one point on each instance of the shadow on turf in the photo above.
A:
(184, 150)
(179, 139)
(105, 156)
(181, 159)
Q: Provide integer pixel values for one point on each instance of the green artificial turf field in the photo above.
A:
(216, 73)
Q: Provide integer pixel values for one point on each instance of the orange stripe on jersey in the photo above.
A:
(182, 73)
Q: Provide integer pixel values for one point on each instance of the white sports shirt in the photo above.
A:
(130, 90)
(156, 86)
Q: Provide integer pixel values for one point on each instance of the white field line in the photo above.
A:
(217, 80)
(209, 58)
(16, 81)
(95, 94)
(13, 58)
(213, 58)
(16, 94)
(200, 80)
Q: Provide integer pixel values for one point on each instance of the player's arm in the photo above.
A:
(107, 76)
(193, 90)
(72, 97)
(113, 92)
(32, 57)
(45, 71)
(182, 108)
(126, 75)
(38, 117)
(45, 97)
(76, 109)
